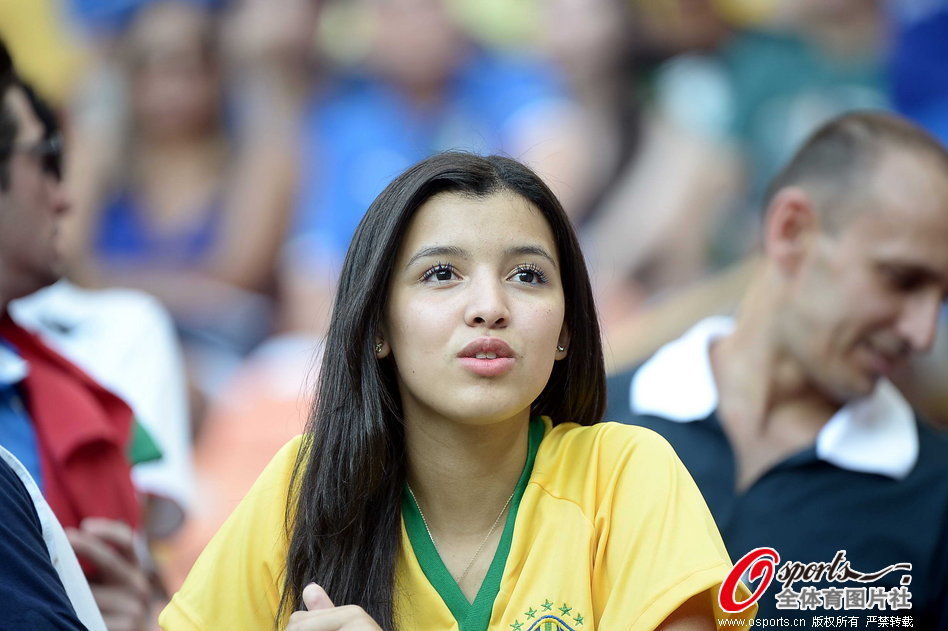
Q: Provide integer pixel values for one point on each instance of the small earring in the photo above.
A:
(560, 348)
(378, 347)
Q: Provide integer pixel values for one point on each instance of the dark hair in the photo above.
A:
(9, 126)
(8, 123)
(833, 162)
(343, 518)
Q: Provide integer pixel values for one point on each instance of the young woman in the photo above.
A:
(445, 480)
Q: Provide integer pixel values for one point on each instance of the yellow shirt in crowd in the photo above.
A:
(607, 531)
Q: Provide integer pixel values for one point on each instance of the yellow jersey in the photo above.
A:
(606, 530)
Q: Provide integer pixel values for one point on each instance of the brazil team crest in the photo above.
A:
(547, 616)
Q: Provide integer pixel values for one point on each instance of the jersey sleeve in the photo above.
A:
(658, 543)
(236, 582)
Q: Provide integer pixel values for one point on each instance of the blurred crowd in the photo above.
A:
(220, 154)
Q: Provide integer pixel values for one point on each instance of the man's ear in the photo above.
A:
(791, 224)
(562, 343)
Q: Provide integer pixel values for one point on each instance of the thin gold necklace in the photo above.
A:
(479, 548)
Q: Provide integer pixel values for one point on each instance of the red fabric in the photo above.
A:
(82, 431)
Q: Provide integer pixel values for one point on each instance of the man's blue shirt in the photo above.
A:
(16, 428)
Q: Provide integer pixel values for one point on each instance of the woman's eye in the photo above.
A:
(529, 274)
(442, 272)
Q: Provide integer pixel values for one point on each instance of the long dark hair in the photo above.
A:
(343, 519)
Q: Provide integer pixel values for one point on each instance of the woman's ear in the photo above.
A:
(382, 349)
(562, 344)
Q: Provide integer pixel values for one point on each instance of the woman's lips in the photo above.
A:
(487, 367)
(487, 357)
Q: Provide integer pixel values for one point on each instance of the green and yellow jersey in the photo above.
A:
(606, 531)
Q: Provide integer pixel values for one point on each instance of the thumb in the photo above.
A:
(315, 598)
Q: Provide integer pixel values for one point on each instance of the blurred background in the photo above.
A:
(221, 153)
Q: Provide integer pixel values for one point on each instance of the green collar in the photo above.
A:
(470, 616)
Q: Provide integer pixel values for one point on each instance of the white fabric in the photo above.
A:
(872, 434)
(126, 341)
(60, 552)
(13, 368)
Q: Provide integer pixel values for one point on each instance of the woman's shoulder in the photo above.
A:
(235, 582)
(290, 449)
(573, 460)
(607, 442)
(281, 466)
(271, 488)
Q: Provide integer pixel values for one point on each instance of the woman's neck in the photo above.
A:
(206, 154)
(463, 474)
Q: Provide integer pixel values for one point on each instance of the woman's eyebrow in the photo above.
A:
(438, 250)
(527, 250)
(456, 252)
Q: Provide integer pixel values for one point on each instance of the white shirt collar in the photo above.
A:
(13, 368)
(872, 434)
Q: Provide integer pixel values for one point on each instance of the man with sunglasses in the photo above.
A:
(66, 431)
(33, 198)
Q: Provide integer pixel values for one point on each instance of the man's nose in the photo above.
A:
(918, 323)
(60, 197)
(488, 305)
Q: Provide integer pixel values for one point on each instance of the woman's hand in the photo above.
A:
(322, 615)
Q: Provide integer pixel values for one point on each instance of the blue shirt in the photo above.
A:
(918, 74)
(362, 132)
(16, 427)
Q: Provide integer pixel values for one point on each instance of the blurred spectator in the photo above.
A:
(71, 434)
(594, 44)
(827, 58)
(126, 341)
(190, 210)
(629, 192)
(421, 86)
(917, 86)
(39, 34)
(762, 85)
(918, 74)
(785, 415)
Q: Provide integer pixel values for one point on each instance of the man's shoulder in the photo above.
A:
(932, 452)
(14, 495)
(618, 395)
(32, 595)
(621, 403)
(676, 382)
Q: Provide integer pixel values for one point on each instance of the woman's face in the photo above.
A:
(416, 43)
(475, 309)
(585, 37)
(175, 86)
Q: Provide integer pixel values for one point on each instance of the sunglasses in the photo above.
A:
(48, 151)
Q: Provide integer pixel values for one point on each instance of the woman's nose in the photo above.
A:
(488, 305)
